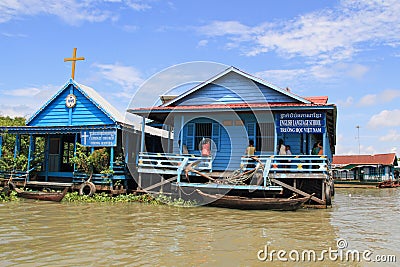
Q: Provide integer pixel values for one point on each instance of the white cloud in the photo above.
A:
(391, 136)
(14, 35)
(281, 75)
(346, 103)
(15, 110)
(138, 5)
(126, 76)
(389, 95)
(324, 37)
(220, 28)
(385, 96)
(368, 100)
(33, 97)
(130, 28)
(71, 12)
(202, 43)
(357, 71)
(386, 118)
(22, 92)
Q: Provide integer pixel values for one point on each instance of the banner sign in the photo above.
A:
(102, 138)
(296, 122)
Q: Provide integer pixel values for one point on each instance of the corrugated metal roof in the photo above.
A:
(101, 102)
(244, 74)
(103, 105)
(228, 106)
(382, 159)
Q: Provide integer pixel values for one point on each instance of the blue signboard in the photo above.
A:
(102, 138)
(300, 122)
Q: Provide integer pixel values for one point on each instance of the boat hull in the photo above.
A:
(389, 184)
(237, 202)
(46, 196)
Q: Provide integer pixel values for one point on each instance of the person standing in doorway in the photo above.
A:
(315, 149)
(281, 148)
(250, 150)
(321, 149)
(205, 147)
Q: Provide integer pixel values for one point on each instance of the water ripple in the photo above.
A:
(133, 234)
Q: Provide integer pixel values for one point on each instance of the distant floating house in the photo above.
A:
(369, 168)
(229, 110)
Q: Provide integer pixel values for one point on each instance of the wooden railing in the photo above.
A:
(168, 163)
(292, 164)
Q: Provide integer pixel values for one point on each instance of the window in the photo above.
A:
(68, 152)
(202, 130)
(263, 135)
(195, 132)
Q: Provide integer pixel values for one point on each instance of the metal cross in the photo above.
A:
(85, 136)
(73, 59)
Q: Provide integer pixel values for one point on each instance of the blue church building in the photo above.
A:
(75, 115)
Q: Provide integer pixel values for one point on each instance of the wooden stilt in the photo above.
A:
(298, 191)
(160, 183)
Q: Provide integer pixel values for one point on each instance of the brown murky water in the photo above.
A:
(131, 234)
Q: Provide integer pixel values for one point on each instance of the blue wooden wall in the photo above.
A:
(55, 113)
(234, 88)
(234, 136)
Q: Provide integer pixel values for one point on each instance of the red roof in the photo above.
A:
(319, 100)
(382, 159)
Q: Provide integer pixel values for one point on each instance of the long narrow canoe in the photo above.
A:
(40, 195)
(245, 203)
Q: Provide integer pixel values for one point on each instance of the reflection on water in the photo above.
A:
(131, 234)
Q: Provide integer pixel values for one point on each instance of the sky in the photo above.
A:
(347, 50)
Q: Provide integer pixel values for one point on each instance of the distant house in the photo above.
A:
(378, 167)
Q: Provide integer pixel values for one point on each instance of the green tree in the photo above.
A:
(7, 160)
(89, 163)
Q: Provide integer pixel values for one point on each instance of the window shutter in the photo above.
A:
(251, 132)
(188, 137)
(216, 134)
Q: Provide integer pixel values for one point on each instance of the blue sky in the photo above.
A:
(348, 50)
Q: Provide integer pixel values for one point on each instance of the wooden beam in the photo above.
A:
(298, 191)
(160, 183)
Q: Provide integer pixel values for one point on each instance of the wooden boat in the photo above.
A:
(389, 184)
(41, 195)
(245, 203)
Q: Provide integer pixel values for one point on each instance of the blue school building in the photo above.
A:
(232, 108)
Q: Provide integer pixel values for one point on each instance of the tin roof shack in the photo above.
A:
(230, 109)
(76, 114)
(364, 168)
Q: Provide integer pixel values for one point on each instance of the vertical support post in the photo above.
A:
(112, 158)
(1, 145)
(17, 145)
(275, 141)
(75, 141)
(142, 140)
(169, 139)
(92, 149)
(29, 154)
(71, 91)
(324, 143)
(126, 146)
(143, 134)
(181, 135)
(46, 156)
